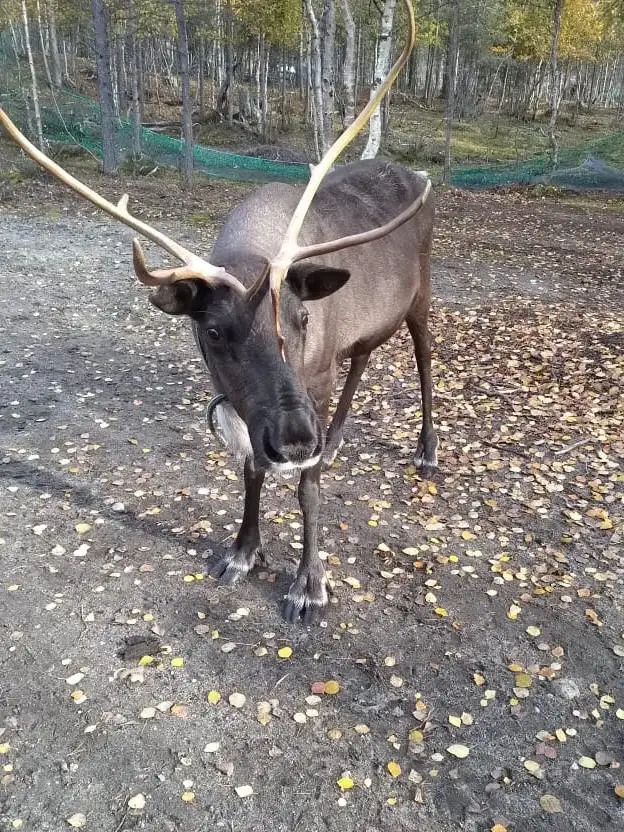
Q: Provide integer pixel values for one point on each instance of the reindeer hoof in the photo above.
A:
(306, 600)
(426, 458)
(235, 564)
(331, 451)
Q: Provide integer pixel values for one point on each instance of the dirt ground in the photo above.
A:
(477, 629)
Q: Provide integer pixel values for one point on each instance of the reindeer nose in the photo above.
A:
(295, 437)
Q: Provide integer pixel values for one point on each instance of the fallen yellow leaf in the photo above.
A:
(394, 768)
(523, 680)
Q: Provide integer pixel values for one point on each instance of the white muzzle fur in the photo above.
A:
(232, 432)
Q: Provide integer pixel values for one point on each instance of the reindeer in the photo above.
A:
(274, 322)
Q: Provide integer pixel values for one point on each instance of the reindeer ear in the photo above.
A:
(181, 298)
(311, 281)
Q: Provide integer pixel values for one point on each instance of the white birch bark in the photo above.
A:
(382, 66)
(33, 77)
(315, 78)
(348, 72)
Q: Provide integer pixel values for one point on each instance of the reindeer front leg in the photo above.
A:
(307, 596)
(241, 556)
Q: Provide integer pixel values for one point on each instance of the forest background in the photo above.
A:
(489, 81)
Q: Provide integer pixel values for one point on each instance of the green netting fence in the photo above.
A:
(70, 118)
(583, 168)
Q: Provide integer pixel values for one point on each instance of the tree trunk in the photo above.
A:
(18, 67)
(382, 66)
(327, 29)
(348, 71)
(134, 80)
(554, 85)
(65, 58)
(200, 80)
(105, 87)
(306, 74)
(185, 82)
(257, 82)
(503, 91)
(44, 55)
(412, 71)
(358, 55)
(120, 66)
(303, 86)
(283, 91)
(451, 75)
(55, 58)
(229, 64)
(265, 92)
(33, 77)
(315, 78)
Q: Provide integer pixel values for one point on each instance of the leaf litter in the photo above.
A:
(509, 420)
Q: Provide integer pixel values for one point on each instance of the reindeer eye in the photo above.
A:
(213, 334)
(303, 318)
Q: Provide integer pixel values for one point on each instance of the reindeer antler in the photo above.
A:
(194, 266)
(290, 251)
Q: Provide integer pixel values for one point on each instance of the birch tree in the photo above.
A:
(185, 84)
(554, 81)
(348, 70)
(55, 58)
(105, 87)
(33, 76)
(327, 30)
(134, 79)
(320, 136)
(451, 89)
(382, 66)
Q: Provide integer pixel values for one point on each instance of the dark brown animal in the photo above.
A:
(294, 288)
(341, 306)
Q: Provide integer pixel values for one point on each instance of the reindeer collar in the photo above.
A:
(214, 402)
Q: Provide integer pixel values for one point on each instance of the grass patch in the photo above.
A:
(416, 136)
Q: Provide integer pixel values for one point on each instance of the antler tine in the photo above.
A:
(159, 277)
(328, 247)
(194, 266)
(289, 250)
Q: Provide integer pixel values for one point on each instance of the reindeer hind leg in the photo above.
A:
(427, 449)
